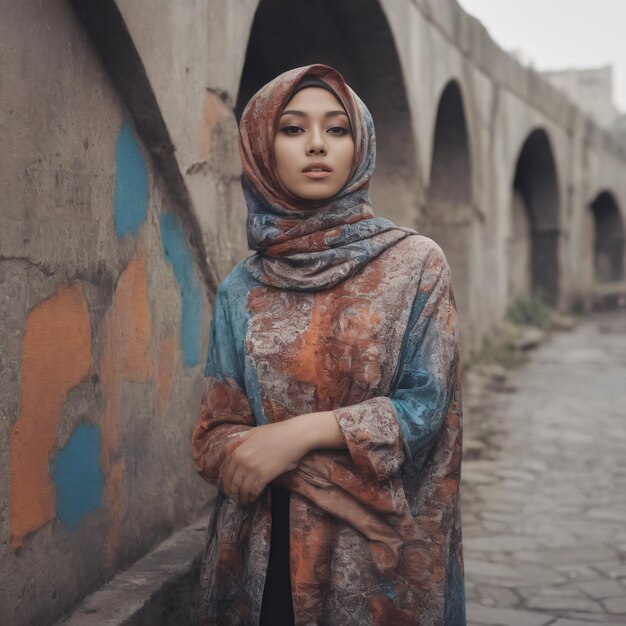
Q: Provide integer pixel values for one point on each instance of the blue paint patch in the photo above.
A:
(178, 254)
(131, 183)
(78, 477)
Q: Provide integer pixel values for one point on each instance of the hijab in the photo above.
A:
(307, 244)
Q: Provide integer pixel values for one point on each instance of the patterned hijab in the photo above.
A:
(306, 244)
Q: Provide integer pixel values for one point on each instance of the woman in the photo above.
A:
(331, 414)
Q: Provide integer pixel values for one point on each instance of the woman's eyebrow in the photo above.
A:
(303, 114)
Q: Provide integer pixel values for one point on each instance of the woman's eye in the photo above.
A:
(288, 130)
(340, 130)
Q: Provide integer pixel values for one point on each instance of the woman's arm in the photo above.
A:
(380, 433)
(225, 411)
(226, 421)
(261, 454)
(383, 432)
(321, 431)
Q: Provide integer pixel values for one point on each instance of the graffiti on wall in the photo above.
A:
(178, 254)
(57, 332)
(86, 475)
(131, 183)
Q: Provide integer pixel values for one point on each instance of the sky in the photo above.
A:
(560, 34)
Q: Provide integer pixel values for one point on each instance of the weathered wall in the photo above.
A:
(104, 320)
(122, 210)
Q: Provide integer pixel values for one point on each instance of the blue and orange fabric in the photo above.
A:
(336, 310)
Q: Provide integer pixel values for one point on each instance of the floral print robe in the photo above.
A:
(375, 529)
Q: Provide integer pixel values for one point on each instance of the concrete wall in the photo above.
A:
(591, 89)
(104, 327)
(122, 211)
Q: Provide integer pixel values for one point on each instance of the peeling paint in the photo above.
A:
(166, 365)
(56, 356)
(78, 477)
(214, 111)
(125, 357)
(131, 183)
(177, 253)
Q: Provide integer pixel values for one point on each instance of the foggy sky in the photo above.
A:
(560, 34)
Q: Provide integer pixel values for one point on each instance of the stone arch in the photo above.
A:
(448, 217)
(608, 238)
(450, 172)
(533, 241)
(354, 37)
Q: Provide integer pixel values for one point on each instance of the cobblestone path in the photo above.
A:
(544, 506)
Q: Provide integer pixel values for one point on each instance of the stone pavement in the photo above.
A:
(544, 504)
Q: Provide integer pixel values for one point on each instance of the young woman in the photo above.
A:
(331, 414)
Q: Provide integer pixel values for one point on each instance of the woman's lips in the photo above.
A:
(317, 174)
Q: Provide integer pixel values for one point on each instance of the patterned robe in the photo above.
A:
(375, 533)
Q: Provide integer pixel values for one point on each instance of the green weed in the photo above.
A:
(530, 311)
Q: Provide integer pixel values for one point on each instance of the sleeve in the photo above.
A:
(382, 433)
(225, 410)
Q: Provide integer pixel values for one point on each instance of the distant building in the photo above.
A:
(619, 127)
(591, 89)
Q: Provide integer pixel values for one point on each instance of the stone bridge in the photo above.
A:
(122, 211)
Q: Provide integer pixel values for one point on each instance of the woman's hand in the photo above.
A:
(260, 454)
(257, 456)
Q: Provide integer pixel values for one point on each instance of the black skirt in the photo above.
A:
(277, 605)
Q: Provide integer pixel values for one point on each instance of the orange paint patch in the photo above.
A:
(214, 111)
(56, 356)
(166, 363)
(125, 357)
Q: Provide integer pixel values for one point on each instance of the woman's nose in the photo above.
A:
(316, 145)
(316, 149)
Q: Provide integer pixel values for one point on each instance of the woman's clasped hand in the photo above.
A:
(257, 456)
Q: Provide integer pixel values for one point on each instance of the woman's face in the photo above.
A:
(314, 130)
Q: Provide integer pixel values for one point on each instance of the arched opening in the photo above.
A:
(354, 37)
(608, 239)
(448, 216)
(519, 249)
(533, 244)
